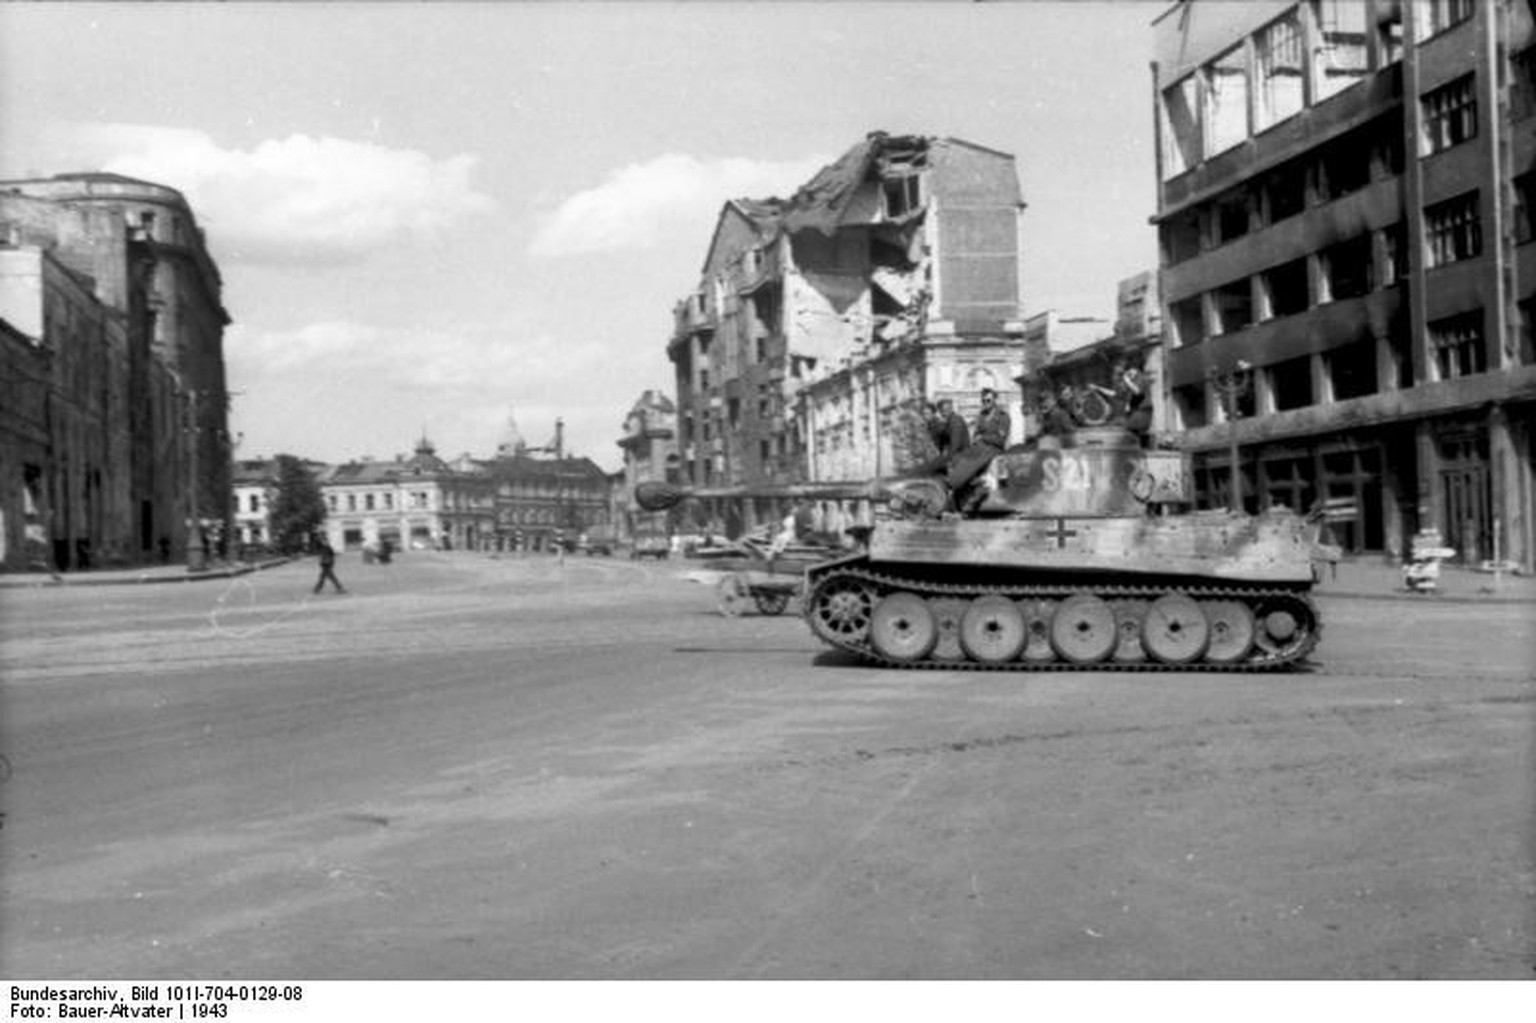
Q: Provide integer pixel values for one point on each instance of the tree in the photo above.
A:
(297, 507)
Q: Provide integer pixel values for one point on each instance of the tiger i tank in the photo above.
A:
(1071, 561)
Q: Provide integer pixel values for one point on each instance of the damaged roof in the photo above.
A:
(820, 202)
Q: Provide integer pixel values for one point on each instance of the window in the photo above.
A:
(1291, 383)
(1431, 17)
(368, 502)
(1352, 370)
(902, 195)
(1342, 57)
(1457, 344)
(1278, 51)
(1346, 269)
(1522, 93)
(389, 501)
(1344, 167)
(1229, 217)
(1453, 230)
(1190, 403)
(1226, 101)
(1389, 33)
(1525, 208)
(1394, 248)
(330, 501)
(1181, 127)
(1285, 192)
(1188, 321)
(351, 502)
(1181, 237)
(1525, 332)
(1233, 306)
(1450, 115)
(255, 503)
(1285, 289)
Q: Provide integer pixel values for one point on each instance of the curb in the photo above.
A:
(129, 577)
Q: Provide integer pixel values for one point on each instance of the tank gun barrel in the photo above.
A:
(654, 495)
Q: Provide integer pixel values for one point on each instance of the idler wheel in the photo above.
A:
(1175, 631)
(902, 627)
(1232, 630)
(1083, 629)
(992, 630)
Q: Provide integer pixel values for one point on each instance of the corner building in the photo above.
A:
(1345, 223)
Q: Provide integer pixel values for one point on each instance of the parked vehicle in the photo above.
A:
(651, 545)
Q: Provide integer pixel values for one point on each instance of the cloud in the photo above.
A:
(671, 197)
(298, 199)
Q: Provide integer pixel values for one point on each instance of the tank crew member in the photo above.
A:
(991, 436)
(957, 436)
(1131, 393)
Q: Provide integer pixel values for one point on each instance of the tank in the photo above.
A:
(1071, 555)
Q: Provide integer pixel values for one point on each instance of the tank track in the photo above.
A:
(833, 603)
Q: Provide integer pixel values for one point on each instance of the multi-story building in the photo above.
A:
(153, 354)
(1347, 262)
(416, 502)
(649, 444)
(545, 500)
(822, 322)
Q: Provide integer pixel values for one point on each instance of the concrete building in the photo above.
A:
(415, 502)
(649, 444)
(544, 501)
(1345, 221)
(152, 352)
(822, 322)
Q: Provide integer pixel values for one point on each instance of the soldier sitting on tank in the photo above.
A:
(1131, 398)
(1056, 417)
(990, 438)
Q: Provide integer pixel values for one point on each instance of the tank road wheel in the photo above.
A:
(1037, 629)
(902, 627)
(731, 596)
(1175, 631)
(992, 630)
(1232, 630)
(771, 602)
(1129, 614)
(1083, 629)
(839, 609)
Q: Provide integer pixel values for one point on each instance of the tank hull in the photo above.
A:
(1209, 591)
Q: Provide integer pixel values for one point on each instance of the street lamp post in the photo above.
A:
(1230, 387)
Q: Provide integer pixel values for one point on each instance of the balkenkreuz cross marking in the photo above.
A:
(1061, 532)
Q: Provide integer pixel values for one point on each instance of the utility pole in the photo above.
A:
(1230, 387)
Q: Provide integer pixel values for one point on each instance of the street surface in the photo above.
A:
(506, 768)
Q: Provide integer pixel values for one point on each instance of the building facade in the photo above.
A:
(409, 503)
(113, 277)
(1347, 260)
(544, 501)
(649, 444)
(823, 322)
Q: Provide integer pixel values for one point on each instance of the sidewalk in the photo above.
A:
(138, 574)
(1374, 577)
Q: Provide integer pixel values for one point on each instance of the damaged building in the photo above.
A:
(1347, 261)
(822, 322)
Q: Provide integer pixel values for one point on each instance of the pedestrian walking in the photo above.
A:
(328, 568)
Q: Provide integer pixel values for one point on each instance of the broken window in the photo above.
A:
(903, 195)
(1285, 192)
(1457, 344)
(1450, 115)
(1389, 33)
(1188, 321)
(1278, 50)
(1180, 235)
(1345, 167)
(1394, 249)
(1346, 269)
(1189, 402)
(1229, 217)
(1181, 127)
(1291, 383)
(1226, 101)
(1352, 370)
(1342, 55)
(1285, 288)
(1233, 305)
(1452, 230)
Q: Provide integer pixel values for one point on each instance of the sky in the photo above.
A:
(433, 218)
